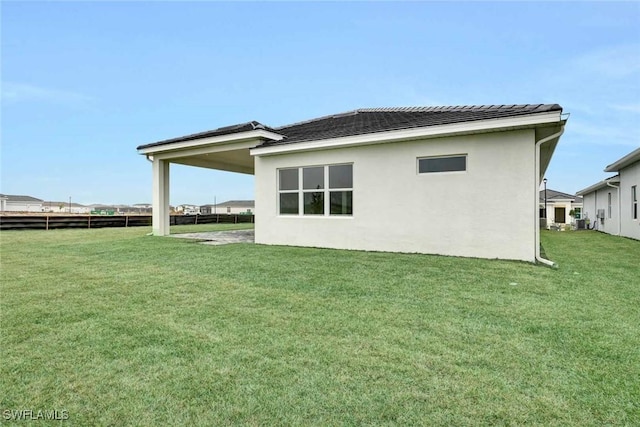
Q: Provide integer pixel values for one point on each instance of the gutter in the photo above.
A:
(619, 205)
(537, 196)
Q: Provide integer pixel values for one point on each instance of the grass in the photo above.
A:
(120, 328)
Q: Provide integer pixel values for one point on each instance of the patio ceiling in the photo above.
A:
(238, 160)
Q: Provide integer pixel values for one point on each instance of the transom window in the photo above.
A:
(456, 163)
(316, 190)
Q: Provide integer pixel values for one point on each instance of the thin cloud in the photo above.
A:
(615, 62)
(602, 135)
(632, 108)
(14, 92)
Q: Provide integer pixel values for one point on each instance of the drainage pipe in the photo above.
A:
(537, 196)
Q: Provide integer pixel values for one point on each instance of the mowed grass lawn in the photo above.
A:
(120, 328)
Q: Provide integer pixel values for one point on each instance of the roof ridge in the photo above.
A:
(436, 108)
(416, 109)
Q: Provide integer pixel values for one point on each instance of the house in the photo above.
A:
(557, 207)
(65, 207)
(230, 207)
(612, 204)
(322, 182)
(19, 203)
(141, 208)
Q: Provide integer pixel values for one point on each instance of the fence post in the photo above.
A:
(89, 223)
(235, 219)
(46, 227)
(196, 219)
(126, 221)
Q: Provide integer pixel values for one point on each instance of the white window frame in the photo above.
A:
(466, 164)
(301, 191)
(609, 205)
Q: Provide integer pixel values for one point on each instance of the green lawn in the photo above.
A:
(120, 328)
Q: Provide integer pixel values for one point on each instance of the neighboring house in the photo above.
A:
(329, 182)
(141, 208)
(64, 207)
(559, 206)
(242, 207)
(17, 203)
(612, 204)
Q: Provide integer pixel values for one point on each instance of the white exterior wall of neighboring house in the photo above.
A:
(441, 213)
(621, 216)
(233, 210)
(598, 200)
(630, 177)
(61, 207)
(22, 206)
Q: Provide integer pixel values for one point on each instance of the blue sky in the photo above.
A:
(85, 83)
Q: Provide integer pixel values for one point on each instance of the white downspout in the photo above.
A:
(537, 195)
(619, 206)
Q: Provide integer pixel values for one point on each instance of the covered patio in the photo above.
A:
(225, 149)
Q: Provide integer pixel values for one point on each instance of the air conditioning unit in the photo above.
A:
(600, 214)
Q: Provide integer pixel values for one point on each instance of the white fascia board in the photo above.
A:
(627, 160)
(258, 135)
(598, 185)
(480, 126)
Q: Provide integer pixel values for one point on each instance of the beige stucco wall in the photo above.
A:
(396, 209)
(629, 177)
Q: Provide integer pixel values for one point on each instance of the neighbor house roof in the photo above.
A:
(613, 180)
(66, 204)
(18, 198)
(372, 120)
(627, 160)
(234, 204)
(559, 195)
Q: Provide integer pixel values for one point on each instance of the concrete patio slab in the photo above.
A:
(220, 237)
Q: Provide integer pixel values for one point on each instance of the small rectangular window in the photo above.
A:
(442, 164)
(314, 203)
(608, 205)
(341, 176)
(313, 178)
(288, 179)
(341, 202)
(634, 202)
(289, 203)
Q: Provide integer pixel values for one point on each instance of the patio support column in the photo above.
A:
(160, 221)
